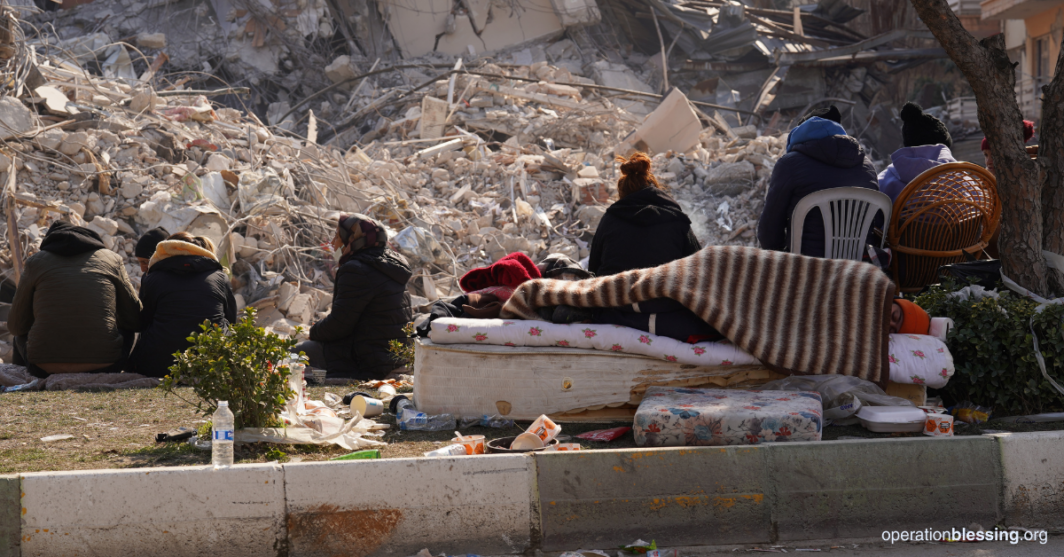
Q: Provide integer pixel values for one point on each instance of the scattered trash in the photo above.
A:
(450, 450)
(640, 546)
(175, 435)
(495, 422)
(971, 413)
(939, 425)
(605, 435)
(360, 455)
(58, 437)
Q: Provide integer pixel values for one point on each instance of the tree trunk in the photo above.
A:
(1051, 160)
(990, 73)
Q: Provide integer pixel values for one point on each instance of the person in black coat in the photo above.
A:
(645, 228)
(184, 286)
(370, 305)
(819, 156)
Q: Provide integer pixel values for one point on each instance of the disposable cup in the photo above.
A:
(368, 407)
(939, 425)
(562, 447)
(474, 444)
(386, 391)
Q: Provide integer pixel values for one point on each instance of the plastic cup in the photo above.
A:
(474, 444)
(386, 391)
(368, 407)
(939, 425)
(562, 447)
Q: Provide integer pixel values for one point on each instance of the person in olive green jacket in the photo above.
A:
(74, 309)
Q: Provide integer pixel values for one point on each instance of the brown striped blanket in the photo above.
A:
(796, 314)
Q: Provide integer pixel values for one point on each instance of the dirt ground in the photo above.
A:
(117, 430)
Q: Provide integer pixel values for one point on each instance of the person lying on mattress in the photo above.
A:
(909, 318)
(644, 229)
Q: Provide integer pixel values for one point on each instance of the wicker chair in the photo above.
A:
(942, 214)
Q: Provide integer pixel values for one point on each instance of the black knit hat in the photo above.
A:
(830, 113)
(918, 128)
(149, 241)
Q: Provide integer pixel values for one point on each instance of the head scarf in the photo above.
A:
(360, 232)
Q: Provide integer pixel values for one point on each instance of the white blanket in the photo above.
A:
(916, 359)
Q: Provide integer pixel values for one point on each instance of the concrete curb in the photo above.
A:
(512, 504)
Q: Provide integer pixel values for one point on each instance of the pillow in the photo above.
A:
(920, 360)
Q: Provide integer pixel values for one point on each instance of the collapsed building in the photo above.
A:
(471, 129)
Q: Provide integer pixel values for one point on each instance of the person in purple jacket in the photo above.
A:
(927, 145)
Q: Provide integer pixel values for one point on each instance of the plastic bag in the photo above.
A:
(605, 435)
(842, 395)
(971, 413)
(419, 247)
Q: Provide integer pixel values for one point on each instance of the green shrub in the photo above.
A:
(403, 351)
(239, 364)
(993, 352)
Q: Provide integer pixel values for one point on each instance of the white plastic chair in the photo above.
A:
(848, 214)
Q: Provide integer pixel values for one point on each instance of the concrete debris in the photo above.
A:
(465, 162)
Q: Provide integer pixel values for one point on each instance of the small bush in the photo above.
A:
(240, 364)
(993, 352)
(403, 351)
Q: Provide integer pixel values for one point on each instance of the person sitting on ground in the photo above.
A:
(184, 286)
(819, 156)
(75, 309)
(1028, 133)
(146, 246)
(370, 305)
(927, 144)
(645, 228)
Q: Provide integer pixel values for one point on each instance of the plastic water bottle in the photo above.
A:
(449, 450)
(420, 421)
(495, 421)
(222, 440)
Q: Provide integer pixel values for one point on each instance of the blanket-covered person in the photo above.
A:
(74, 309)
(370, 305)
(819, 156)
(645, 228)
(796, 314)
(927, 144)
(184, 286)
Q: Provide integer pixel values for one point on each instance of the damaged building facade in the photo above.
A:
(471, 128)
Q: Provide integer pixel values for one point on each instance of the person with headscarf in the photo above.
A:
(819, 156)
(75, 309)
(146, 246)
(927, 144)
(184, 286)
(370, 305)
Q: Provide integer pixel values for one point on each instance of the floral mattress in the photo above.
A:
(915, 359)
(673, 417)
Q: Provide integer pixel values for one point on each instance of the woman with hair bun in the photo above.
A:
(645, 228)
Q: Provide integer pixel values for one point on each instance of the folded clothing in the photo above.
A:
(676, 417)
(610, 338)
(510, 271)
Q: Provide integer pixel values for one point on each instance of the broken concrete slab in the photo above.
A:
(15, 118)
(672, 126)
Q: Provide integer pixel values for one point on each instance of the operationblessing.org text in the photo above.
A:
(966, 535)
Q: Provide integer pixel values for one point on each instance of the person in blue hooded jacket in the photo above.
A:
(927, 144)
(819, 156)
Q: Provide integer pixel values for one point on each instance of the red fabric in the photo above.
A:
(1028, 133)
(503, 292)
(510, 271)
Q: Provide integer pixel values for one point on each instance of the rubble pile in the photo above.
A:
(474, 164)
